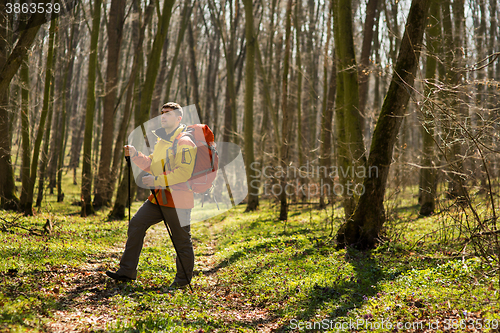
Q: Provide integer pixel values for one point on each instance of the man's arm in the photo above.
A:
(139, 159)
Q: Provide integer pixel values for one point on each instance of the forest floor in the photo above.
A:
(253, 273)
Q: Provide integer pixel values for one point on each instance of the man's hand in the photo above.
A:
(148, 180)
(130, 150)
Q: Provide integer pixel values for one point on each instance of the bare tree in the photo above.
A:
(362, 230)
(44, 159)
(103, 191)
(253, 196)
(27, 206)
(9, 66)
(351, 149)
(453, 37)
(193, 70)
(285, 129)
(26, 142)
(138, 32)
(87, 207)
(428, 174)
(325, 156)
(364, 62)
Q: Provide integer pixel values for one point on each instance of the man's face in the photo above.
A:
(169, 119)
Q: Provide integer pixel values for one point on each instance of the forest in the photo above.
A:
(369, 133)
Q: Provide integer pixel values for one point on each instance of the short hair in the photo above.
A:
(174, 106)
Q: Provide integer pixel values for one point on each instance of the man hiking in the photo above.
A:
(168, 172)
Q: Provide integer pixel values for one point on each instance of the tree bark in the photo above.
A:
(87, 207)
(267, 91)
(298, 57)
(453, 59)
(311, 99)
(103, 190)
(428, 173)
(285, 129)
(326, 141)
(154, 61)
(364, 61)
(229, 47)
(210, 101)
(118, 211)
(351, 149)
(25, 124)
(252, 181)
(194, 71)
(43, 117)
(44, 159)
(10, 67)
(325, 147)
(180, 37)
(362, 230)
(66, 90)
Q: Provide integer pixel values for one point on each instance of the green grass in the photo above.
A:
(252, 273)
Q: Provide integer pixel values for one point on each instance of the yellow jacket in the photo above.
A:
(171, 171)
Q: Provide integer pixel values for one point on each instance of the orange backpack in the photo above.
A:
(206, 160)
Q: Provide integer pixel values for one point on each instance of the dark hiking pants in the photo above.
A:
(148, 215)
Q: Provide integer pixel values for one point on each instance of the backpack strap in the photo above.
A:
(181, 135)
(174, 147)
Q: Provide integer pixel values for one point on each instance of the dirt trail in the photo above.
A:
(84, 295)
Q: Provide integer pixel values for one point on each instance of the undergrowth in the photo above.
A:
(253, 273)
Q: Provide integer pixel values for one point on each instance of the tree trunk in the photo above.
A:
(326, 141)
(43, 118)
(66, 90)
(362, 231)
(58, 135)
(298, 58)
(428, 174)
(493, 102)
(270, 106)
(138, 32)
(228, 133)
(210, 84)
(87, 207)
(103, 191)
(76, 145)
(326, 120)
(364, 62)
(180, 37)
(154, 61)
(252, 181)
(450, 75)
(77, 123)
(11, 65)
(351, 149)
(194, 71)
(25, 125)
(285, 129)
(44, 160)
(141, 193)
(122, 199)
(311, 99)
(229, 40)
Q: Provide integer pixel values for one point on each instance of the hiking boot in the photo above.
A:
(177, 285)
(118, 277)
